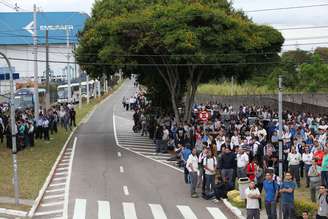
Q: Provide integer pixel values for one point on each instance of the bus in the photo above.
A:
(24, 98)
(62, 92)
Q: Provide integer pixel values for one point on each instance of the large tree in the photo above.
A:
(183, 42)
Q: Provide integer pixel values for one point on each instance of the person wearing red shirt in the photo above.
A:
(251, 170)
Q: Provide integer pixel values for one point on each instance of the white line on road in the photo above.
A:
(55, 190)
(216, 213)
(157, 211)
(59, 178)
(57, 184)
(119, 154)
(43, 213)
(52, 204)
(65, 214)
(186, 212)
(126, 191)
(103, 210)
(129, 210)
(53, 196)
(79, 209)
(121, 169)
(63, 168)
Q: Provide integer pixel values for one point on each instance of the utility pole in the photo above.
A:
(232, 85)
(13, 130)
(69, 92)
(88, 92)
(280, 135)
(47, 71)
(36, 75)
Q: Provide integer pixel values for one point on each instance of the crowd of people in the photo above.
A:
(28, 128)
(243, 144)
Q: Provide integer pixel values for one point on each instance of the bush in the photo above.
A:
(234, 198)
(304, 205)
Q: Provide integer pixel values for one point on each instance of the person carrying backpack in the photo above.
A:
(271, 189)
(210, 165)
(323, 203)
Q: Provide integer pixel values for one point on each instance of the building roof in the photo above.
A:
(17, 27)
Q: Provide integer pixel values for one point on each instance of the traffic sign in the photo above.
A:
(203, 116)
(6, 76)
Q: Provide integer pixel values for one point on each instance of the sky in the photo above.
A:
(306, 17)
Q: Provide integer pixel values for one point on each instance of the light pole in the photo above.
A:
(280, 134)
(13, 129)
(68, 70)
(36, 74)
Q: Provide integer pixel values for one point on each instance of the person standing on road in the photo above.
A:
(271, 189)
(192, 166)
(315, 180)
(210, 165)
(287, 196)
(184, 157)
(324, 168)
(158, 138)
(242, 161)
(323, 203)
(165, 139)
(227, 164)
(307, 158)
(294, 159)
(252, 201)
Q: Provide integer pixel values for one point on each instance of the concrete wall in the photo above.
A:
(316, 103)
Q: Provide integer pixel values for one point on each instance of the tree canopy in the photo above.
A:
(178, 43)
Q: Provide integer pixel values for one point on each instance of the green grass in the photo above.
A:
(34, 164)
(226, 89)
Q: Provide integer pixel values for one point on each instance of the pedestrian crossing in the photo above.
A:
(130, 211)
(135, 142)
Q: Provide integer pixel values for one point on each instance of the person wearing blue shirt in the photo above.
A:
(287, 196)
(271, 189)
(184, 156)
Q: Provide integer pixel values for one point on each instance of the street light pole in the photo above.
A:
(68, 70)
(280, 135)
(13, 129)
(36, 75)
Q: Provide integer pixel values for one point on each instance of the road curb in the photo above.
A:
(236, 211)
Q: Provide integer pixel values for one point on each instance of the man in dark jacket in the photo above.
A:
(227, 164)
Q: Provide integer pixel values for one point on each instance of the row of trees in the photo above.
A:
(174, 45)
(302, 71)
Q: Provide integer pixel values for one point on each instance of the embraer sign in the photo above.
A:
(57, 27)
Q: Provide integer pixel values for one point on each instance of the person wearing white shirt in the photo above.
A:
(253, 196)
(307, 159)
(210, 164)
(242, 161)
(294, 159)
(192, 166)
(234, 140)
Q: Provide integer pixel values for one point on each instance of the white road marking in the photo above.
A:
(66, 198)
(186, 212)
(55, 190)
(62, 168)
(43, 213)
(57, 184)
(126, 191)
(129, 210)
(157, 211)
(60, 174)
(216, 213)
(79, 209)
(121, 169)
(53, 196)
(119, 154)
(103, 210)
(52, 204)
(58, 178)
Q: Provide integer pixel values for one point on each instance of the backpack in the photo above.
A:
(326, 198)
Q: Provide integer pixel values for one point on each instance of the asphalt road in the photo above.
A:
(109, 180)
